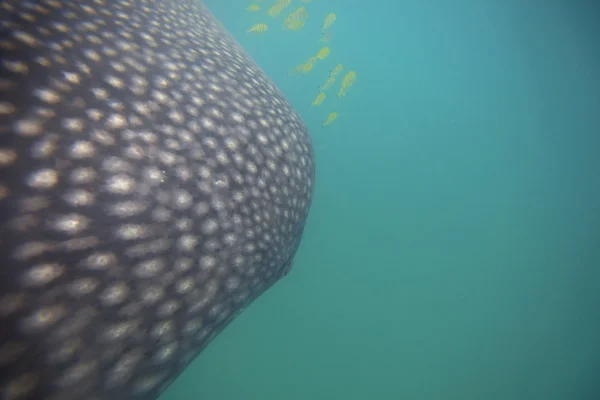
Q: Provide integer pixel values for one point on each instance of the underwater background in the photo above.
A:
(453, 245)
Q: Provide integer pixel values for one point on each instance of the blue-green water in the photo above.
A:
(453, 246)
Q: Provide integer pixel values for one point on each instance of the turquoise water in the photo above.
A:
(452, 251)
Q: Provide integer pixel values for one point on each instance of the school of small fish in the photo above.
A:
(294, 21)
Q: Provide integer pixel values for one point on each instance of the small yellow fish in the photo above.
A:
(258, 28)
(330, 118)
(323, 53)
(300, 13)
(338, 68)
(319, 100)
(346, 83)
(274, 11)
(309, 65)
(295, 20)
(325, 38)
(253, 7)
(297, 69)
(349, 79)
(278, 7)
(330, 19)
(293, 25)
(327, 84)
(306, 68)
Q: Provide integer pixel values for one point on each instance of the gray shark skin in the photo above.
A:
(153, 183)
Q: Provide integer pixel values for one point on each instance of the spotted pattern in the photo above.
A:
(153, 183)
